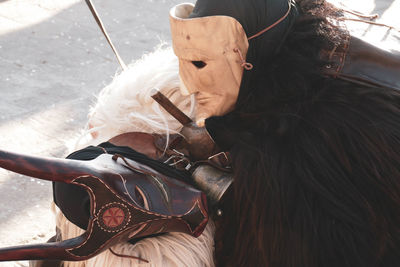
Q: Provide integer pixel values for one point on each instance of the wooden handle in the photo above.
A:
(171, 108)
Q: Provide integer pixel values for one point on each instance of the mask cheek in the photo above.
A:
(197, 80)
(215, 85)
(183, 88)
(187, 76)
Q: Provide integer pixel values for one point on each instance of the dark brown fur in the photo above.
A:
(316, 160)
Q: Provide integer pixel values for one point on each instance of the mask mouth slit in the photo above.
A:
(199, 64)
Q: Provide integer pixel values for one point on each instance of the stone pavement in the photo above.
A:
(53, 61)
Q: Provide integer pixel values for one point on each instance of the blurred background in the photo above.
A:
(54, 61)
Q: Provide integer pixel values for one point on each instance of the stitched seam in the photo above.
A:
(95, 218)
(119, 234)
(89, 189)
(180, 217)
(344, 53)
(90, 221)
(129, 204)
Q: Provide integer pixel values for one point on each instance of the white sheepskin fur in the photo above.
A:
(125, 106)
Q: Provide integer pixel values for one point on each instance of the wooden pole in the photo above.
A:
(171, 108)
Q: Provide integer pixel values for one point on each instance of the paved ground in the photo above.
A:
(53, 61)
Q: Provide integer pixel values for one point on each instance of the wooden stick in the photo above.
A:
(103, 30)
(171, 108)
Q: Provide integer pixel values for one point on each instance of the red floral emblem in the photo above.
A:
(113, 217)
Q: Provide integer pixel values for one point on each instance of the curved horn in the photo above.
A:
(47, 251)
(51, 169)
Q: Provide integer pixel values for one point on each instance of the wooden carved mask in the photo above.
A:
(212, 52)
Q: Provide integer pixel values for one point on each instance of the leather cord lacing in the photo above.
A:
(274, 24)
(363, 18)
(127, 256)
(247, 65)
(244, 64)
(366, 19)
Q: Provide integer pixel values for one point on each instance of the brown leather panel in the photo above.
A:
(140, 142)
(360, 62)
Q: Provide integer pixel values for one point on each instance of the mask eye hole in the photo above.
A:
(199, 64)
(141, 198)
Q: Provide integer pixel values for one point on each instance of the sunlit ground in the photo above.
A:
(53, 61)
(388, 12)
(17, 14)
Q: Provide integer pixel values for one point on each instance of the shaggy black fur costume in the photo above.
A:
(316, 160)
